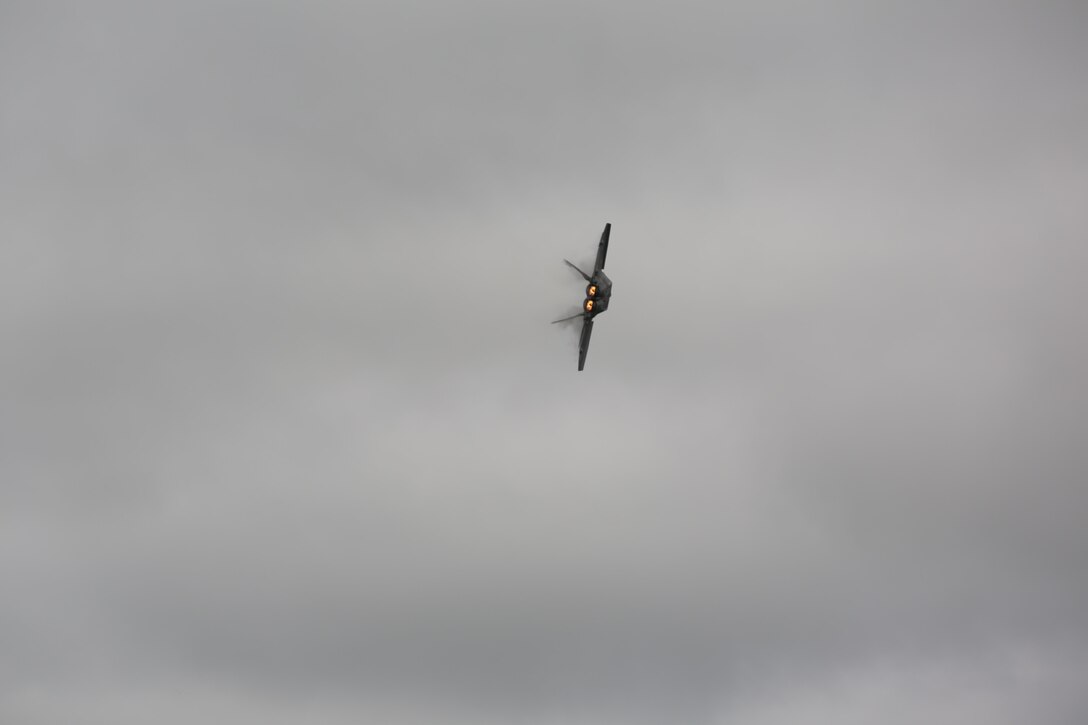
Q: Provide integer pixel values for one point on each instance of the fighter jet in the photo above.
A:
(598, 293)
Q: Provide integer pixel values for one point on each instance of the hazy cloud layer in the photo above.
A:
(285, 435)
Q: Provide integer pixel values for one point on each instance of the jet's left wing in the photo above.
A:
(583, 344)
(602, 249)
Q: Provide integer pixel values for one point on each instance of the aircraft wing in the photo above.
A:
(583, 344)
(602, 249)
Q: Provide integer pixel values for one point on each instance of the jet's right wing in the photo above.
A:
(583, 344)
(602, 248)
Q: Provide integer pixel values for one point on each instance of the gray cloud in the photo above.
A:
(285, 434)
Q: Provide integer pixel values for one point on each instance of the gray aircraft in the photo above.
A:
(598, 293)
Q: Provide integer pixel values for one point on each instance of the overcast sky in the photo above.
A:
(285, 435)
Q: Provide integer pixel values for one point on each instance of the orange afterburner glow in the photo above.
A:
(589, 305)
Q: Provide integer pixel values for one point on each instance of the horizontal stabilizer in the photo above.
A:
(583, 343)
(602, 248)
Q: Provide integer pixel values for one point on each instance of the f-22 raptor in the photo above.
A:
(598, 293)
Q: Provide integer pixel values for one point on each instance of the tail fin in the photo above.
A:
(565, 319)
(586, 276)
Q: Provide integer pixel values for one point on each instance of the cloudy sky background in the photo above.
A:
(285, 435)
